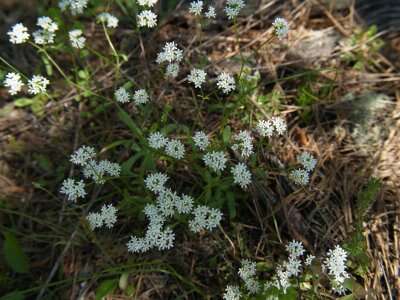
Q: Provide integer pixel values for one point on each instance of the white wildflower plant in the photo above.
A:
(226, 83)
(106, 217)
(196, 7)
(197, 77)
(46, 34)
(172, 55)
(175, 148)
(216, 160)
(108, 19)
(122, 95)
(301, 176)
(281, 27)
(13, 82)
(241, 175)
(77, 39)
(141, 97)
(73, 189)
(244, 144)
(201, 140)
(38, 85)
(18, 34)
(157, 140)
(76, 7)
(147, 18)
(211, 14)
(233, 7)
(148, 3)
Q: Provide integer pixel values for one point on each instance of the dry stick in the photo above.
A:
(74, 233)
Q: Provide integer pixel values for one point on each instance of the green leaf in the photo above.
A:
(16, 295)
(128, 121)
(231, 204)
(23, 102)
(14, 255)
(226, 134)
(105, 288)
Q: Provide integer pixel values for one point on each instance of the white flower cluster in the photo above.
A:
(139, 97)
(14, 83)
(73, 189)
(173, 56)
(76, 7)
(232, 292)
(233, 7)
(196, 7)
(172, 147)
(205, 218)
(168, 204)
(241, 175)
(211, 14)
(77, 39)
(216, 160)
(335, 264)
(147, 18)
(226, 83)
(197, 77)
(201, 140)
(46, 34)
(148, 3)
(267, 128)
(301, 176)
(281, 28)
(106, 217)
(107, 18)
(247, 272)
(37, 85)
(18, 34)
(244, 143)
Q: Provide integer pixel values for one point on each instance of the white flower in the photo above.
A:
(81, 156)
(210, 13)
(241, 175)
(154, 215)
(300, 176)
(76, 38)
(109, 215)
(141, 97)
(307, 161)
(245, 143)
(18, 34)
(147, 19)
(265, 128)
(75, 6)
(295, 249)
(95, 220)
(43, 37)
(155, 182)
(47, 24)
(73, 189)
(197, 77)
(279, 124)
(225, 82)
(232, 293)
(293, 266)
(281, 27)
(335, 264)
(149, 3)
(37, 85)
(175, 149)
(172, 70)
(157, 140)
(170, 53)
(110, 20)
(205, 218)
(122, 95)
(201, 140)
(97, 170)
(196, 7)
(247, 270)
(166, 202)
(216, 160)
(309, 260)
(137, 245)
(282, 281)
(252, 285)
(14, 83)
(233, 7)
(184, 204)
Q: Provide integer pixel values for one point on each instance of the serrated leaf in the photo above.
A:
(14, 255)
